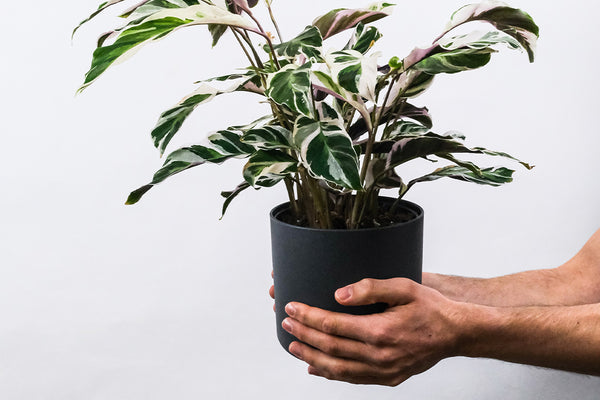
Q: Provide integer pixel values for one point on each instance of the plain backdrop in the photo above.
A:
(102, 301)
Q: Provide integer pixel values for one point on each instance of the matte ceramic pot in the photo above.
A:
(309, 264)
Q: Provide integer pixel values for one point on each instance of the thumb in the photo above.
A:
(393, 292)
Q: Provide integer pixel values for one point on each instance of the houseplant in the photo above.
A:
(340, 121)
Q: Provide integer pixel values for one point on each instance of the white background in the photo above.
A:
(162, 300)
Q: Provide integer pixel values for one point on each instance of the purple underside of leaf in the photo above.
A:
(340, 20)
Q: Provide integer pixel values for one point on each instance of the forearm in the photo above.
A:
(575, 282)
(566, 338)
(541, 287)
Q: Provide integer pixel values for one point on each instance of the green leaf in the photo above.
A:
(354, 72)
(341, 19)
(155, 27)
(326, 151)
(266, 168)
(171, 120)
(363, 38)
(230, 196)
(269, 137)
(290, 86)
(179, 161)
(309, 43)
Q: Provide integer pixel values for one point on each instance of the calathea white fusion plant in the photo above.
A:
(340, 123)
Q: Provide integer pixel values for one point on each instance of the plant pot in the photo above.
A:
(309, 264)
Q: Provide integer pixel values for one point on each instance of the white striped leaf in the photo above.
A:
(418, 146)
(404, 110)
(269, 137)
(340, 19)
(155, 27)
(512, 21)
(171, 120)
(354, 72)
(266, 168)
(100, 9)
(363, 38)
(229, 143)
(405, 128)
(327, 153)
(465, 52)
(487, 176)
(290, 86)
(309, 43)
(179, 161)
(322, 81)
(231, 195)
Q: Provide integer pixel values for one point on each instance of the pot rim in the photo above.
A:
(408, 205)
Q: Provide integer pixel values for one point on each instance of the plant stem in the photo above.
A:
(294, 204)
(274, 21)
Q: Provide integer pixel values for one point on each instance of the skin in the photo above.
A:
(548, 318)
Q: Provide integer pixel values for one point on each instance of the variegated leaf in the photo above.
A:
(291, 87)
(155, 27)
(465, 52)
(308, 43)
(266, 168)
(323, 81)
(230, 196)
(229, 142)
(354, 72)
(487, 176)
(269, 137)
(100, 9)
(341, 19)
(404, 128)
(149, 7)
(403, 110)
(409, 148)
(179, 161)
(326, 151)
(363, 39)
(171, 120)
(512, 21)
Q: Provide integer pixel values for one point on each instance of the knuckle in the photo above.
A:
(329, 325)
(381, 336)
(331, 347)
(385, 357)
(338, 370)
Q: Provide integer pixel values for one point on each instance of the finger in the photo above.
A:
(335, 368)
(394, 292)
(272, 292)
(331, 323)
(335, 346)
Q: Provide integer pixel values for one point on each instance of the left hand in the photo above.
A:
(418, 329)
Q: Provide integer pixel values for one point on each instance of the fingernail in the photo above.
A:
(344, 293)
(290, 309)
(295, 350)
(313, 371)
(287, 325)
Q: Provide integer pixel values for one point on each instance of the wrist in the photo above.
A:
(474, 326)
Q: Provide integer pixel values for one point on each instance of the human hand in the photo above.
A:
(418, 329)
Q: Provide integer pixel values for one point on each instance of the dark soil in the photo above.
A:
(385, 217)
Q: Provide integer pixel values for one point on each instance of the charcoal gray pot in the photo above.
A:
(309, 264)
